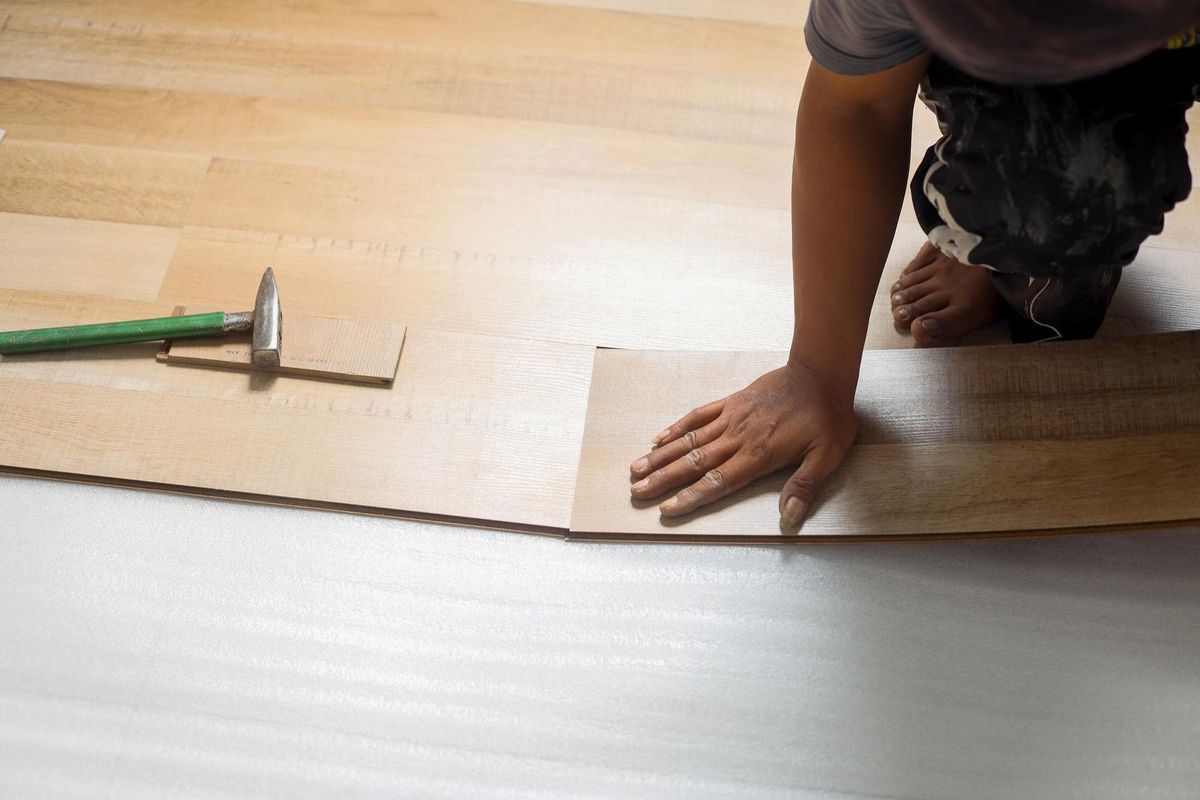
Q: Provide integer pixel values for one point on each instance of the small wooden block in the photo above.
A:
(322, 347)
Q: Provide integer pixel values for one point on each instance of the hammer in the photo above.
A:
(264, 323)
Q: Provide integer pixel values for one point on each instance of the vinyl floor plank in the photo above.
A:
(973, 441)
(594, 300)
(473, 427)
(567, 33)
(394, 140)
(590, 267)
(56, 254)
(748, 109)
(771, 12)
(98, 183)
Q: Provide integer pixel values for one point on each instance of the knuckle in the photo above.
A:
(695, 458)
(806, 488)
(741, 427)
(715, 479)
(689, 439)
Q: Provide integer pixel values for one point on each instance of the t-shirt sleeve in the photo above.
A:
(858, 37)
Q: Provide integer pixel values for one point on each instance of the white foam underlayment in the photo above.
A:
(155, 645)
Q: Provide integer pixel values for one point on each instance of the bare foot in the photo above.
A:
(942, 300)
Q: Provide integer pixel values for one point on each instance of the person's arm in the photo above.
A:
(852, 155)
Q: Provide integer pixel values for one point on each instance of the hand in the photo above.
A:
(789, 416)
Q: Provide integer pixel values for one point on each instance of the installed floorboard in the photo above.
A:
(473, 427)
(648, 41)
(99, 183)
(773, 12)
(55, 254)
(393, 140)
(1048, 438)
(494, 257)
(512, 85)
(597, 300)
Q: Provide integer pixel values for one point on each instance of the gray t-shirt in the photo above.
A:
(1006, 41)
(858, 37)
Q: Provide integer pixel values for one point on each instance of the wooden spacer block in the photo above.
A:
(320, 347)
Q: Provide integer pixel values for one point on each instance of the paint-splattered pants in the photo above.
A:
(1054, 188)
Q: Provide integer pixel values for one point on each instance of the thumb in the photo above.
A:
(801, 489)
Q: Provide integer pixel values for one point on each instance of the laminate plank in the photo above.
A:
(391, 140)
(769, 12)
(971, 441)
(749, 109)
(39, 309)
(589, 267)
(595, 301)
(98, 183)
(320, 347)
(55, 254)
(568, 34)
(473, 427)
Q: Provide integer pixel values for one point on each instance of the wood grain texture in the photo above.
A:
(1061, 437)
(651, 42)
(497, 257)
(317, 347)
(98, 183)
(585, 90)
(555, 297)
(771, 12)
(472, 427)
(56, 254)
(393, 140)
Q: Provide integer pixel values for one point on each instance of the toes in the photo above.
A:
(918, 276)
(924, 256)
(904, 310)
(938, 329)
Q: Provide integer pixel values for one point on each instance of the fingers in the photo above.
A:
(801, 489)
(696, 418)
(690, 466)
(672, 451)
(713, 485)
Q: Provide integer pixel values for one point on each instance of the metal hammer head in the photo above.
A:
(267, 333)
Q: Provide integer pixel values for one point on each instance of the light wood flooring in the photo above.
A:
(518, 182)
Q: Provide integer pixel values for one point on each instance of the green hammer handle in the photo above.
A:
(138, 330)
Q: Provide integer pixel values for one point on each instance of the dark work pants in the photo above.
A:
(1054, 188)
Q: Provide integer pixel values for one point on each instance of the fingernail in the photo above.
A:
(668, 506)
(903, 314)
(640, 485)
(793, 512)
(662, 436)
(896, 286)
(932, 327)
(898, 298)
(641, 464)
